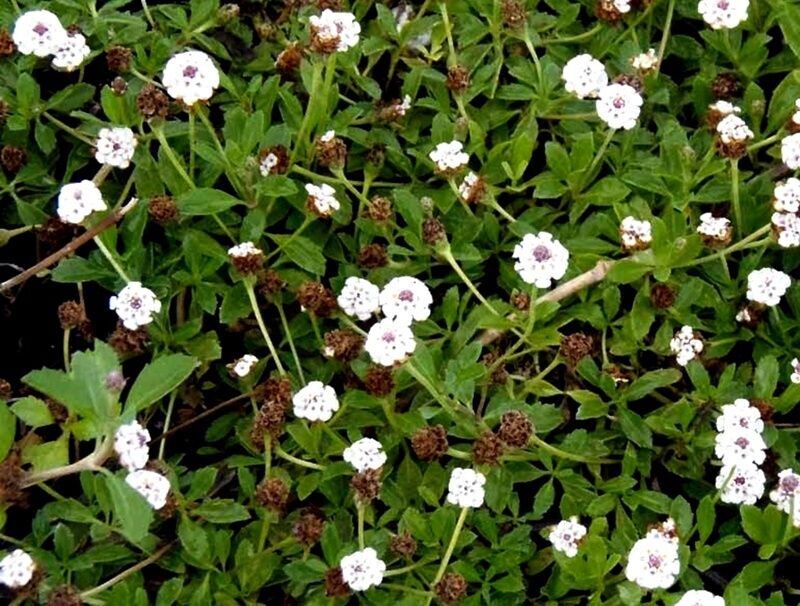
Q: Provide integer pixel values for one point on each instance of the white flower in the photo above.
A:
(335, 29)
(790, 151)
(653, 562)
(724, 108)
(470, 188)
(723, 14)
(268, 162)
(739, 446)
(322, 199)
(406, 299)
(115, 147)
(740, 483)
(685, 345)
(716, 228)
(732, 129)
(131, 445)
(402, 15)
(466, 487)
(315, 402)
(16, 569)
(664, 530)
(390, 341)
(635, 234)
(540, 259)
(151, 485)
(623, 6)
(328, 136)
(365, 454)
(740, 415)
(38, 33)
(700, 597)
(645, 62)
(359, 298)
(619, 106)
(786, 495)
(402, 108)
(449, 157)
(76, 201)
(584, 76)
(362, 569)
(190, 76)
(796, 115)
(242, 367)
(71, 53)
(767, 286)
(567, 535)
(795, 376)
(787, 227)
(245, 249)
(135, 305)
(786, 196)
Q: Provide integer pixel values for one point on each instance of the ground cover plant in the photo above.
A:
(465, 301)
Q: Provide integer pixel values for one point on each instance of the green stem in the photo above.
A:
(167, 422)
(360, 507)
(282, 454)
(251, 294)
(765, 142)
(448, 30)
(173, 157)
(65, 349)
(67, 129)
(312, 97)
(126, 573)
(576, 38)
(290, 340)
(450, 548)
(743, 244)
(562, 454)
(192, 140)
(448, 255)
(110, 258)
(534, 56)
(665, 34)
(147, 14)
(414, 372)
(597, 159)
(406, 589)
(398, 571)
(737, 210)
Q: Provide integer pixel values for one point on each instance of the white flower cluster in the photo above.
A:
(723, 14)
(338, 29)
(365, 454)
(645, 62)
(619, 106)
(540, 259)
(790, 151)
(402, 108)
(732, 129)
(390, 341)
(242, 367)
(767, 286)
(700, 597)
(449, 157)
(115, 146)
(190, 76)
(40, 33)
(315, 402)
(76, 201)
(467, 190)
(685, 345)
(715, 228)
(795, 376)
(322, 199)
(151, 485)
(635, 234)
(359, 298)
(741, 448)
(786, 196)
(786, 495)
(567, 535)
(787, 227)
(131, 445)
(362, 569)
(724, 108)
(16, 569)
(584, 76)
(466, 487)
(653, 561)
(135, 305)
(267, 163)
(796, 115)
(244, 250)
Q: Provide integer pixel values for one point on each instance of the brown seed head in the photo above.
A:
(317, 299)
(119, 86)
(457, 79)
(163, 210)
(606, 11)
(487, 449)
(379, 209)
(366, 485)
(521, 300)
(270, 283)
(373, 256)
(430, 443)
(335, 587)
(516, 428)
(308, 528)
(403, 545)
(71, 315)
(343, 345)
(118, 59)
(577, 346)
(726, 86)
(378, 381)
(13, 158)
(273, 493)
(129, 342)
(7, 46)
(331, 152)
(152, 102)
(452, 588)
(289, 60)
(514, 14)
(64, 595)
(280, 157)
(662, 296)
(11, 476)
(433, 231)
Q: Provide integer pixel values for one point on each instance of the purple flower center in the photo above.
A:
(189, 71)
(541, 253)
(40, 29)
(406, 295)
(136, 303)
(654, 561)
(742, 442)
(740, 481)
(790, 484)
(723, 4)
(388, 337)
(618, 103)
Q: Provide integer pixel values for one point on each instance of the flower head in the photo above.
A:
(567, 535)
(322, 199)
(653, 562)
(635, 234)
(135, 305)
(389, 342)
(362, 569)
(406, 299)
(740, 446)
(315, 402)
(700, 597)
(584, 76)
(466, 487)
(359, 298)
(619, 106)
(38, 33)
(786, 227)
(795, 376)
(732, 129)
(151, 485)
(76, 201)
(786, 196)
(16, 569)
(540, 259)
(242, 367)
(786, 495)
(715, 231)
(190, 76)
(723, 14)
(115, 147)
(790, 151)
(645, 62)
(685, 345)
(742, 483)
(472, 188)
(767, 286)
(365, 454)
(131, 445)
(334, 31)
(449, 157)
(740, 415)
(71, 52)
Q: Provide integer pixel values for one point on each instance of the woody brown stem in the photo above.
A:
(92, 462)
(70, 248)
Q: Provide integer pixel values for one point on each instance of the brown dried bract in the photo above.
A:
(11, 476)
(403, 545)
(662, 296)
(118, 59)
(577, 346)
(366, 485)
(433, 231)
(270, 283)
(308, 528)
(379, 381)
(457, 78)
(163, 210)
(152, 102)
(331, 153)
(452, 588)
(288, 60)
(379, 209)
(317, 299)
(335, 587)
(129, 342)
(725, 86)
(373, 256)
(487, 449)
(514, 14)
(13, 158)
(515, 429)
(343, 345)
(430, 443)
(64, 595)
(273, 493)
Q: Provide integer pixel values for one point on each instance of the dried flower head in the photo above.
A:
(343, 345)
(726, 86)
(430, 443)
(152, 102)
(317, 299)
(662, 296)
(403, 545)
(378, 381)
(487, 449)
(163, 210)
(515, 429)
(577, 346)
(247, 258)
(308, 528)
(331, 151)
(457, 78)
(13, 158)
(452, 588)
(272, 493)
(373, 256)
(366, 485)
(118, 59)
(273, 161)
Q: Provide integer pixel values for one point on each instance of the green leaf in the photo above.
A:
(205, 201)
(766, 377)
(789, 23)
(132, 512)
(195, 542)
(71, 97)
(33, 412)
(222, 511)
(302, 251)
(651, 381)
(27, 94)
(169, 591)
(8, 429)
(157, 379)
(635, 428)
(47, 455)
